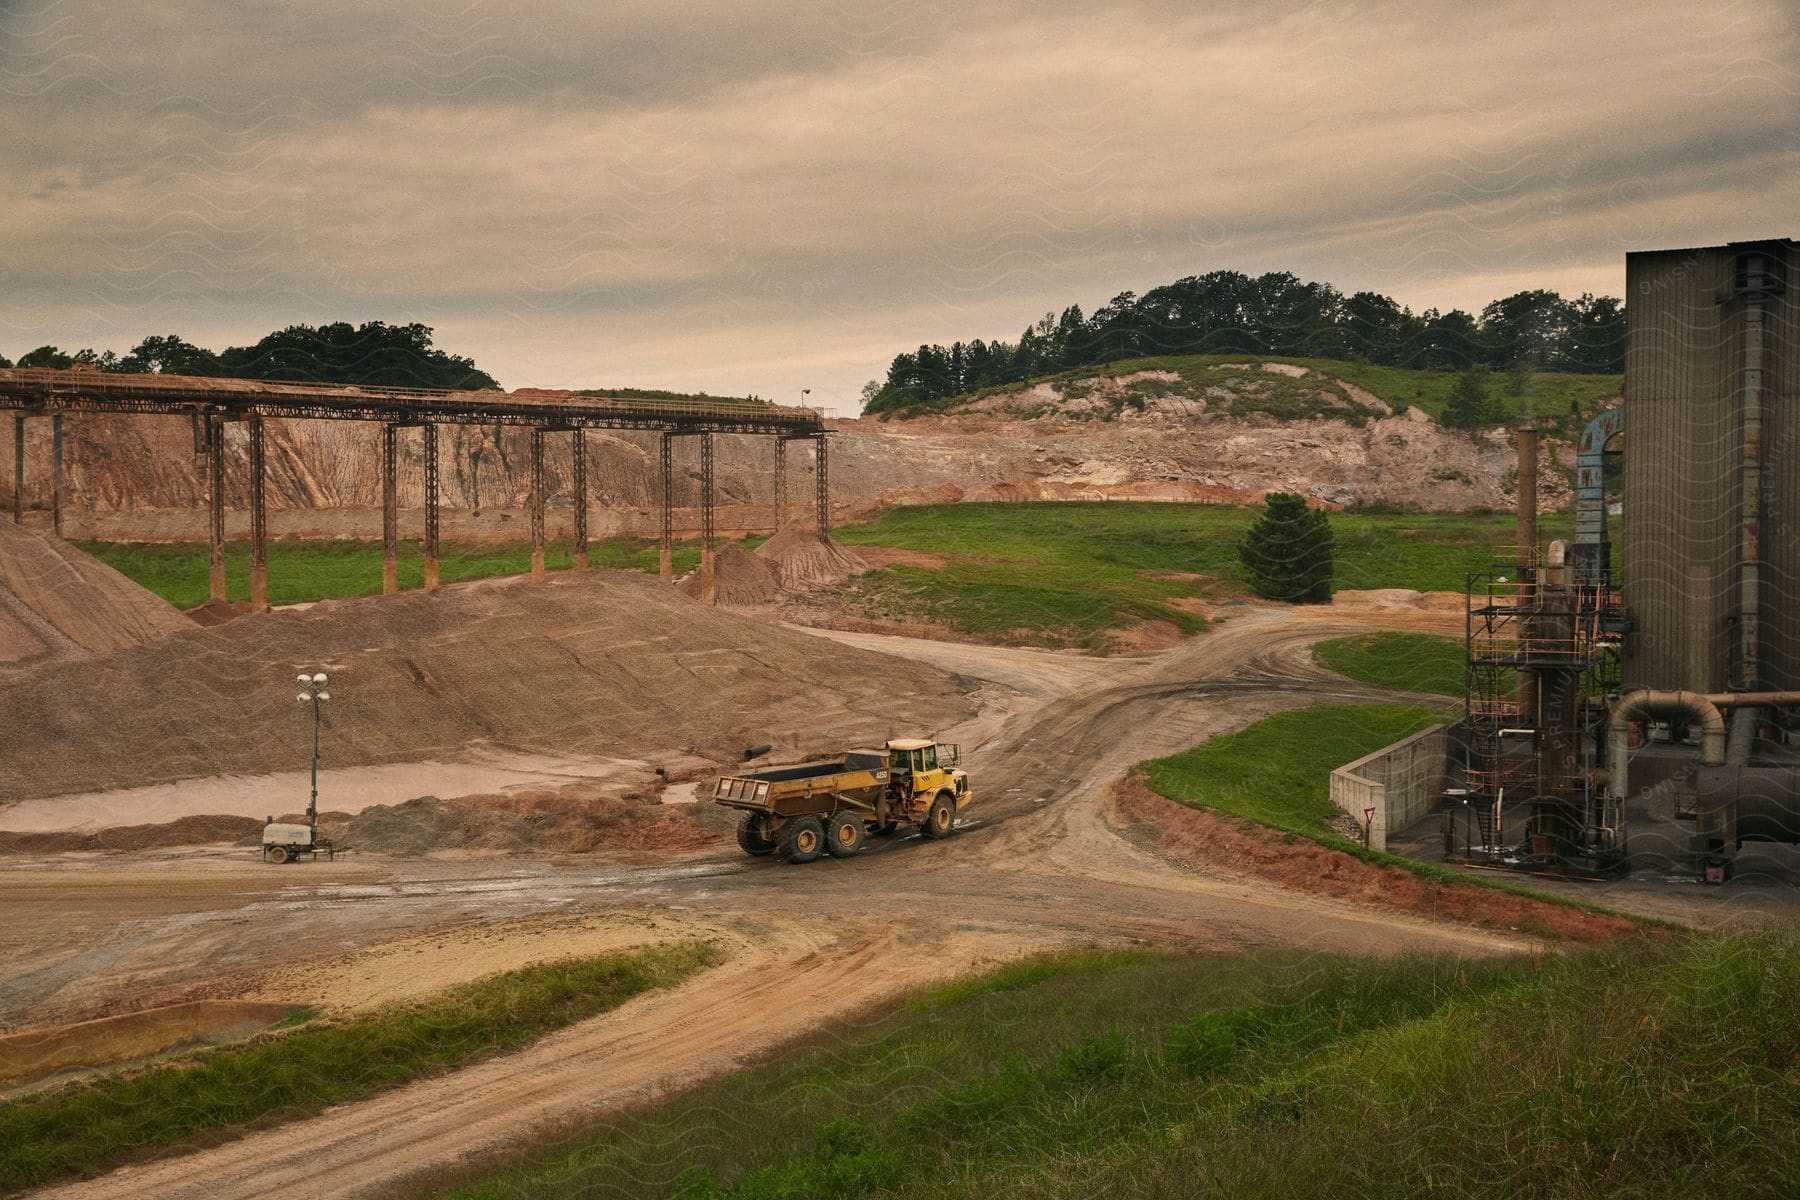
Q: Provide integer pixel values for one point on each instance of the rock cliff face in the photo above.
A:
(1029, 445)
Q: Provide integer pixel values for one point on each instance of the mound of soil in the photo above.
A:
(188, 831)
(59, 603)
(1202, 837)
(802, 560)
(740, 579)
(543, 821)
(606, 663)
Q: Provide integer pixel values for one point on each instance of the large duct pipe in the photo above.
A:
(1593, 549)
(1526, 691)
(1633, 705)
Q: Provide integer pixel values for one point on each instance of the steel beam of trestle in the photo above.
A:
(19, 469)
(429, 434)
(709, 581)
(259, 525)
(578, 470)
(56, 473)
(666, 551)
(822, 489)
(537, 503)
(780, 483)
(215, 500)
(390, 509)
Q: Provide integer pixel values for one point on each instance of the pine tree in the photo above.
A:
(1288, 551)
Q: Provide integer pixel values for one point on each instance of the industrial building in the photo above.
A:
(1671, 676)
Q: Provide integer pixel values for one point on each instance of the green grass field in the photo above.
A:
(305, 570)
(1277, 772)
(1414, 662)
(1659, 1067)
(1066, 573)
(1049, 574)
(86, 1127)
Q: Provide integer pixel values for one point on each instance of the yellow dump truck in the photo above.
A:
(798, 813)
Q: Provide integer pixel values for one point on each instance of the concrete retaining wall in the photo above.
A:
(1401, 782)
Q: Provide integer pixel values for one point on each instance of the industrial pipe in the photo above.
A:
(1633, 705)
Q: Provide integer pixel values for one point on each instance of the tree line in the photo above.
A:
(373, 353)
(1227, 312)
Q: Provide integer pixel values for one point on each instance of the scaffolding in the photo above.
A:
(1542, 653)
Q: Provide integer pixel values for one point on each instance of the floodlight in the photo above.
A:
(319, 678)
(324, 695)
(303, 697)
(303, 679)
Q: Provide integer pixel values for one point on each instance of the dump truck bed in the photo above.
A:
(807, 789)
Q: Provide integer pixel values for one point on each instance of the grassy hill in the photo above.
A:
(1549, 396)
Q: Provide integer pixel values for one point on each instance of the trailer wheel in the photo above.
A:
(844, 835)
(803, 840)
(278, 854)
(939, 819)
(753, 835)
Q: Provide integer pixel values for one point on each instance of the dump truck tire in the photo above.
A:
(940, 819)
(278, 854)
(803, 840)
(753, 835)
(844, 834)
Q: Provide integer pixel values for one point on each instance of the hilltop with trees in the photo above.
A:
(1276, 314)
(371, 353)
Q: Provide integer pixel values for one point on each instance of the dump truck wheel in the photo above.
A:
(844, 835)
(753, 835)
(940, 819)
(278, 854)
(803, 840)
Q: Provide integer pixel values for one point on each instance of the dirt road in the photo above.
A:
(1035, 866)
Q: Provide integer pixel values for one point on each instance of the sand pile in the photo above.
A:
(540, 821)
(58, 603)
(608, 663)
(802, 560)
(187, 831)
(740, 578)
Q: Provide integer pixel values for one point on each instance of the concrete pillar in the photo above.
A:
(56, 473)
(19, 470)
(578, 469)
(709, 583)
(259, 524)
(429, 432)
(537, 503)
(665, 557)
(215, 500)
(390, 510)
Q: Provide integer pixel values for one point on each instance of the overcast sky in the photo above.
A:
(742, 197)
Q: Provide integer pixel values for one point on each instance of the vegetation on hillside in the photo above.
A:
(1276, 314)
(90, 1125)
(373, 353)
(1632, 1069)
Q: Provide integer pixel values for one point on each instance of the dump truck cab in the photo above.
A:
(926, 768)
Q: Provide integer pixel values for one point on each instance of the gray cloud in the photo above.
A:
(755, 198)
